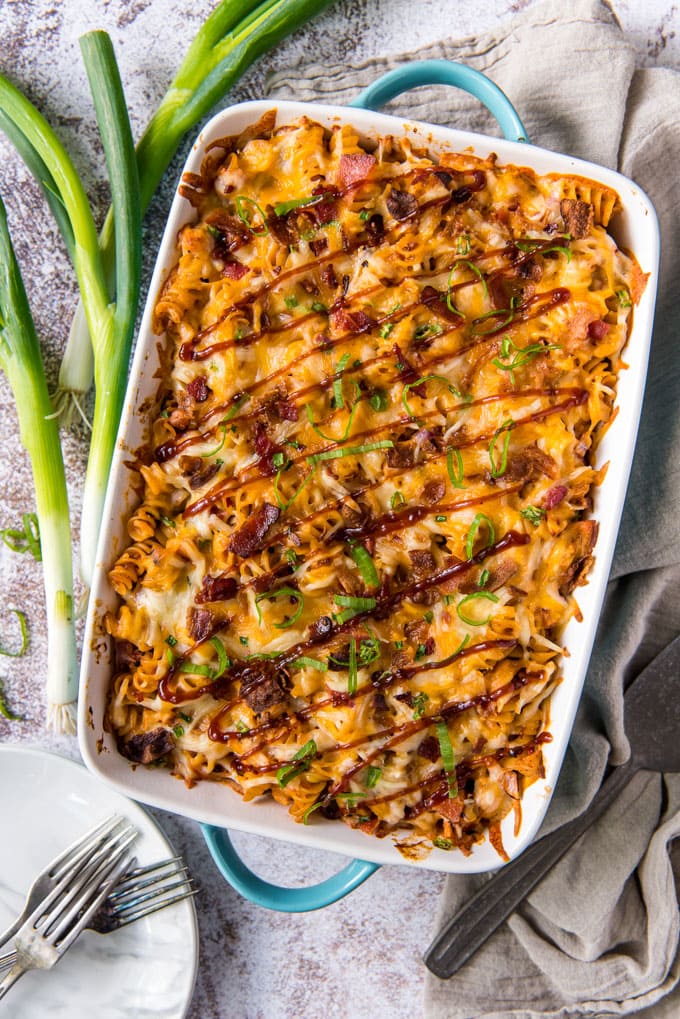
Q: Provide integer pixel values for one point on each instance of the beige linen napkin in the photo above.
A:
(599, 936)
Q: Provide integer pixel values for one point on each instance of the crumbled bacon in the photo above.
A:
(217, 588)
(200, 623)
(233, 269)
(578, 217)
(433, 491)
(429, 748)
(127, 655)
(529, 463)
(401, 204)
(355, 168)
(263, 686)
(554, 496)
(199, 389)
(422, 561)
(375, 230)
(598, 329)
(251, 534)
(319, 245)
(146, 747)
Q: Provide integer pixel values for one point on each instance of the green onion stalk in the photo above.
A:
(21, 362)
(110, 323)
(236, 34)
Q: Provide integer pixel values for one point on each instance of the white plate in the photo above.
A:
(635, 228)
(146, 969)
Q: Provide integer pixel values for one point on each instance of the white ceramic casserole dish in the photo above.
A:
(636, 229)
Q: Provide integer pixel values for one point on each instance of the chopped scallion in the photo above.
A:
(336, 454)
(448, 760)
(245, 215)
(280, 592)
(499, 467)
(299, 763)
(480, 518)
(366, 565)
(470, 598)
(455, 472)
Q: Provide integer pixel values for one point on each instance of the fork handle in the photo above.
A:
(11, 978)
(502, 894)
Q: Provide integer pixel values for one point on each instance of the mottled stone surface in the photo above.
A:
(362, 956)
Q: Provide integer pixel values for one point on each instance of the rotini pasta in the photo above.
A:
(364, 510)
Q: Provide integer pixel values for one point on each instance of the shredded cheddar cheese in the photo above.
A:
(365, 498)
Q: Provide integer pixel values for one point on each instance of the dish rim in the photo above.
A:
(323, 834)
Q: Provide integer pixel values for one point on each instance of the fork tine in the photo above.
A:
(122, 908)
(63, 891)
(90, 902)
(161, 904)
(129, 886)
(79, 849)
(140, 872)
(88, 882)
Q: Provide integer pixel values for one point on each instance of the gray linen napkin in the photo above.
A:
(598, 937)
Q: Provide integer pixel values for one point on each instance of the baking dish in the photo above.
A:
(635, 228)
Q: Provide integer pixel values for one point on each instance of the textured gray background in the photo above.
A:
(362, 955)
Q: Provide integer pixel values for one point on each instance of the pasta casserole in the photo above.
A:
(364, 503)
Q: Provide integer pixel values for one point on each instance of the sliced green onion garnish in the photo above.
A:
(223, 428)
(309, 663)
(442, 843)
(473, 268)
(397, 500)
(499, 468)
(523, 355)
(463, 245)
(372, 776)
(178, 730)
(419, 382)
(455, 471)
(223, 661)
(369, 649)
(509, 317)
(26, 540)
(419, 704)
(278, 593)
(291, 301)
(351, 602)
(366, 565)
(303, 484)
(233, 411)
(332, 438)
(310, 810)
(448, 760)
(337, 454)
(535, 247)
(338, 399)
(6, 711)
(350, 798)
(196, 669)
(534, 514)
(299, 763)
(379, 400)
(473, 597)
(245, 215)
(483, 578)
(23, 628)
(283, 208)
(623, 298)
(353, 671)
(481, 518)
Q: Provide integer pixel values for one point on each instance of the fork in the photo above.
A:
(57, 921)
(67, 862)
(140, 893)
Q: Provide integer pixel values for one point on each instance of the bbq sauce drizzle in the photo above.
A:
(227, 685)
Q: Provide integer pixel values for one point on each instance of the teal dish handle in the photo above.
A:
(285, 900)
(445, 72)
